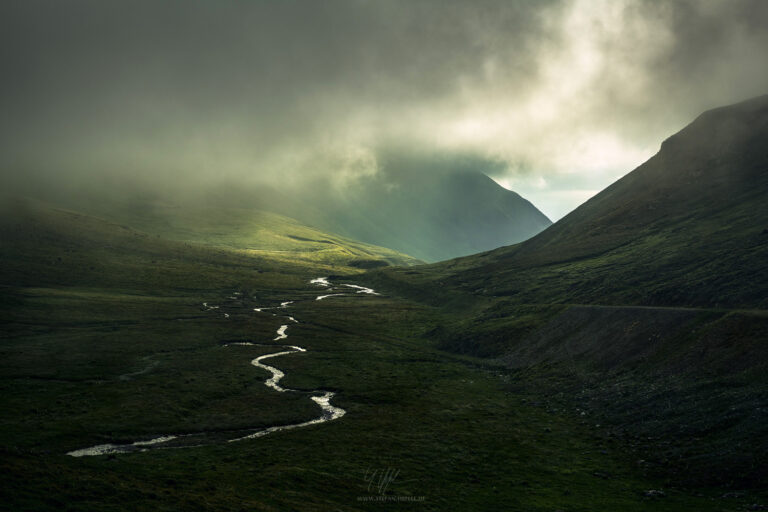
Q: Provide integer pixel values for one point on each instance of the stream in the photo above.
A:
(322, 398)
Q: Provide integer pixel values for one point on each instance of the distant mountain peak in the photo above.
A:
(684, 228)
(438, 216)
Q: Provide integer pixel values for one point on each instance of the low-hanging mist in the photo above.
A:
(560, 97)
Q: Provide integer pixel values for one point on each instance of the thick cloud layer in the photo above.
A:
(559, 97)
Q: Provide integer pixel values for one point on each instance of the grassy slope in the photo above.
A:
(104, 339)
(687, 229)
(258, 232)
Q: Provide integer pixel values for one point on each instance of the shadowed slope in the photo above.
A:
(644, 309)
(688, 227)
(435, 216)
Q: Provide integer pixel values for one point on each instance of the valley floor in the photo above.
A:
(423, 428)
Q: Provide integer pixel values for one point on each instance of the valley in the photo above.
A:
(329, 412)
(347, 256)
(446, 423)
(622, 373)
(121, 356)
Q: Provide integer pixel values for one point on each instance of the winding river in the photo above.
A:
(322, 398)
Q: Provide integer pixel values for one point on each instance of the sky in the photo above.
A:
(559, 98)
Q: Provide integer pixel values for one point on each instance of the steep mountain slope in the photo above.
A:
(645, 310)
(688, 227)
(433, 216)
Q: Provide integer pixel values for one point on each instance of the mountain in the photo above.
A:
(428, 214)
(609, 389)
(432, 208)
(644, 310)
(688, 227)
(434, 216)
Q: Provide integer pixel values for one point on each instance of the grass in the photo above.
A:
(250, 230)
(452, 426)
(656, 286)
(111, 343)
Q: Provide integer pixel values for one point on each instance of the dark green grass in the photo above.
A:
(124, 351)
(133, 367)
(657, 287)
(451, 425)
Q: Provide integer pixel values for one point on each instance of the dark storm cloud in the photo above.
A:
(308, 90)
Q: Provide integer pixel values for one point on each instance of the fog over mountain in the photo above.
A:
(558, 97)
(317, 255)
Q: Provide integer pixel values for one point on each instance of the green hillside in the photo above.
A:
(688, 227)
(106, 339)
(39, 239)
(645, 308)
(609, 369)
(261, 233)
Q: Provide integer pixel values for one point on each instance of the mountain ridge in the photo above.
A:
(434, 217)
(687, 211)
(644, 310)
